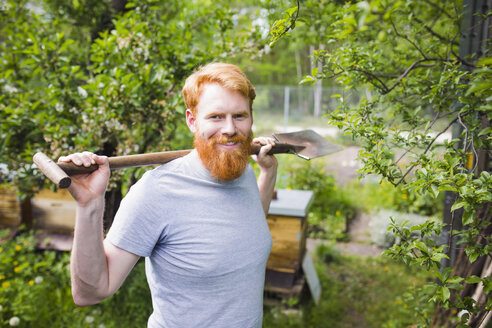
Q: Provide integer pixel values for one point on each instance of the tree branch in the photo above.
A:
(292, 22)
(406, 38)
(426, 150)
(451, 228)
(441, 10)
(425, 133)
(434, 33)
(383, 86)
(408, 70)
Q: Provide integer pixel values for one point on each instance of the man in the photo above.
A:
(199, 220)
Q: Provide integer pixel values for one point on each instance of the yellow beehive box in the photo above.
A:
(10, 209)
(287, 220)
(54, 211)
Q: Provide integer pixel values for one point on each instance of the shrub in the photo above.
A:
(35, 291)
(381, 221)
(384, 195)
(332, 207)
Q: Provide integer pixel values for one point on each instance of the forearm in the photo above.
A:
(266, 185)
(88, 265)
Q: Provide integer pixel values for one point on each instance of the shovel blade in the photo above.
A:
(311, 144)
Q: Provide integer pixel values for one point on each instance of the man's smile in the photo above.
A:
(228, 145)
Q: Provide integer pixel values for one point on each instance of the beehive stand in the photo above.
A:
(287, 220)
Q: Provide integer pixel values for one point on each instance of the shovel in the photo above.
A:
(306, 144)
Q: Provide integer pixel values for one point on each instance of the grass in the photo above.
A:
(356, 292)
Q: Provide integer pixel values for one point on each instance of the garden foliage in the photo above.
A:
(35, 291)
(357, 292)
(87, 75)
(332, 208)
(421, 85)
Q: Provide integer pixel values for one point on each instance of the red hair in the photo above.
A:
(228, 76)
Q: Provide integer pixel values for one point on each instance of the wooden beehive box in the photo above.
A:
(50, 213)
(10, 209)
(287, 220)
(53, 215)
(49, 210)
(54, 211)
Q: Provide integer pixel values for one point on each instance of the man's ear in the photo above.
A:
(190, 120)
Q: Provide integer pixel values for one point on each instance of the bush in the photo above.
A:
(35, 291)
(381, 222)
(384, 195)
(332, 207)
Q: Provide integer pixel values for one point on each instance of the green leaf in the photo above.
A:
(473, 280)
(479, 86)
(457, 205)
(454, 280)
(291, 11)
(473, 257)
(437, 257)
(435, 190)
(445, 293)
(445, 273)
(468, 216)
(420, 245)
(307, 79)
(486, 131)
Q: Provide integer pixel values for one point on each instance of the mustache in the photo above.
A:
(226, 139)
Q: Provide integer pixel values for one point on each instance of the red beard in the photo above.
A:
(224, 165)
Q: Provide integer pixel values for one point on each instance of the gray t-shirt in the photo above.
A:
(206, 245)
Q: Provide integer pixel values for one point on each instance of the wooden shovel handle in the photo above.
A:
(59, 173)
(122, 162)
(52, 170)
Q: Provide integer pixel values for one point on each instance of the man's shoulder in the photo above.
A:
(162, 175)
(174, 166)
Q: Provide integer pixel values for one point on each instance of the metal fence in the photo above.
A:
(292, 105)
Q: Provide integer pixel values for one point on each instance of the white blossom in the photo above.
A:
(82, 92)
(89, 319)
(38, 279)
(10, 88)
(14, 321)
(4, 169)
(59, 107)
(114, 124)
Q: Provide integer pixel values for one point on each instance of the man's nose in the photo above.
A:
(229, 127)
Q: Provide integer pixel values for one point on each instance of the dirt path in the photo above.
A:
(359, 240)
(344, 166)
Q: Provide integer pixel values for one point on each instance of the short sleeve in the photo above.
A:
(137, 227)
